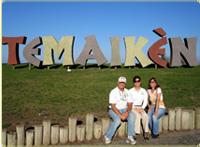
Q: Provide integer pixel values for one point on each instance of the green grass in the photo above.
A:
(57, 94)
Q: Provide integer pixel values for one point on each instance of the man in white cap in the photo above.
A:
(120, 106)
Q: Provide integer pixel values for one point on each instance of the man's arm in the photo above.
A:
(113, 107)
(122, 116)
(129, 107)
(145, 102)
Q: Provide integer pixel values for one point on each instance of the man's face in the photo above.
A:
(121, 85)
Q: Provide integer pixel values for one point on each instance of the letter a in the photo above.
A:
(91, 46)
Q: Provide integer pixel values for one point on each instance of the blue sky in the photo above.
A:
(103, 19)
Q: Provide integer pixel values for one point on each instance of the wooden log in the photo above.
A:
(121, 130)
(29, 138)
(185, 120)
(38, 135)
(20, 134)
(46, 132)
(89, 126)
(178, 115)
(188, 119)
(105, 124)
(191, 119)
(165, 123)
(64, 135)
(72, 129)
(80, 133)
(97, 130)
(197, 118)
(11, 139)
(160, 124)
(4, 137)
(171, 113)
(15, 138)
(55, 134)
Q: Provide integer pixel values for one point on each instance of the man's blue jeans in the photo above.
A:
(117, 121)
(154, 121)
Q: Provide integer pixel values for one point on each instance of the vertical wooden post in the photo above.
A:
(97, 130)
(185, 120)
(4, 137)
(178, 118)
(191, 119)
(72, 129)
(38, 135)
(11, 142)
(156, 66)
(29, 66)
(13, 66)
(160, 124)
(80, 133)
(20, 134)
(165, 123)
(171, 119)
(64, 135)
(46, 131)
(55, 134)
(9, 139)
(121, 130)
(29, 138)
(89, 126)
(197, 118)
(105, 124)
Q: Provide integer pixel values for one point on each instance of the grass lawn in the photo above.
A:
(30, 96)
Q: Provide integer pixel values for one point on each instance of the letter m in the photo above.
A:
(51, 47)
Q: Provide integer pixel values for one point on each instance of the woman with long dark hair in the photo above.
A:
(156, 106)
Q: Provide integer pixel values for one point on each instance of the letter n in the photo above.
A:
(183, 51)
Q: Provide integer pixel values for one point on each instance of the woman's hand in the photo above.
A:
(156, 114)
(149, 110)
(139, 110)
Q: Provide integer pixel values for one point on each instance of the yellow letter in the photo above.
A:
(65, 45)
(135, 51)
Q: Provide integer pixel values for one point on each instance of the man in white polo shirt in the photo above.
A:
(139, 97)
(120, 106)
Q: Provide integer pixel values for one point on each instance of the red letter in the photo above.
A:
(155, 51)
(13, 48)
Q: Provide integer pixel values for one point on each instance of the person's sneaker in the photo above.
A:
(146, 136)
(130, 140)
(155, 136)
(107, 140)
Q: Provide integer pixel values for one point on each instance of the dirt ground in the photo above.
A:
(181, 138)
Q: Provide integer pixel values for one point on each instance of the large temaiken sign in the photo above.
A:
(180, 50)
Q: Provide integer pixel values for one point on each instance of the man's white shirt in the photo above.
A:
(139, 97)
(120, 98)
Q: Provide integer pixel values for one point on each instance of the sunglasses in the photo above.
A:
(152, 82)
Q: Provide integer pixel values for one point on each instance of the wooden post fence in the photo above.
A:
(47, 134)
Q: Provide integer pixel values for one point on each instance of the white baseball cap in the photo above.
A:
(122, 79)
